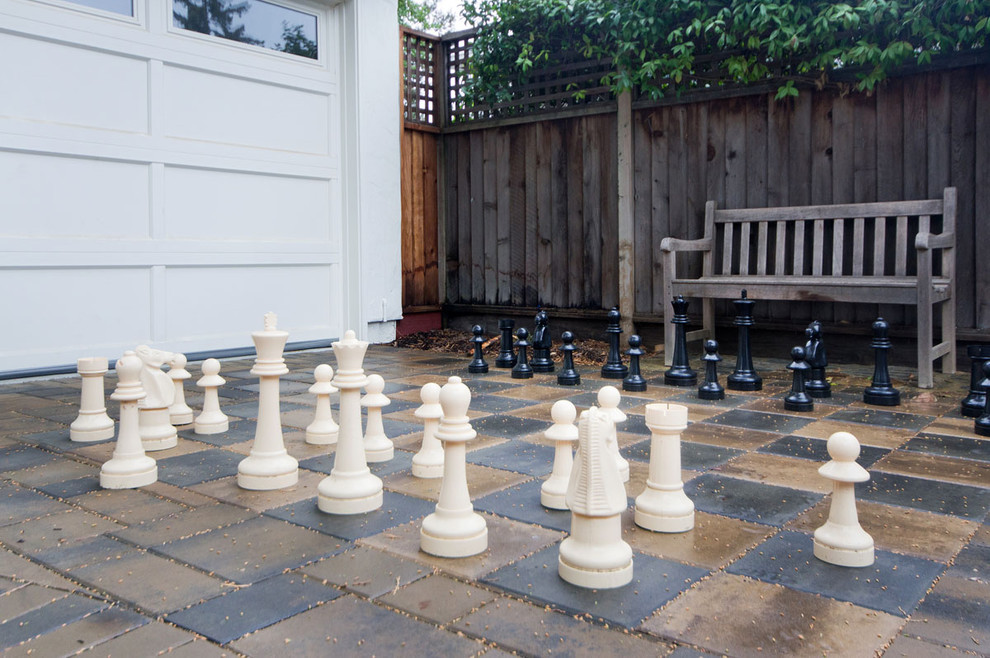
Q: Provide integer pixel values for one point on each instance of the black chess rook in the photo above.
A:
(744, 377)
(798, 399)
(568, 376)
(522, 370)
(634, 380)
(711, 389)
(680, 372)
(478, 364)
(614, 368)
(506, 354)
(881, 391)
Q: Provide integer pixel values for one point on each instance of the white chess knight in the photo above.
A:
(129, 467)
(377, 446)
(269, 465)
(93, 423)
(351, 487)
(563, 433)
(157, 432)
(594, 555)
(608, 400)
(179, 413)
(211, 420)
(454, 529)
(842, 540)
(323, 431)
(428, 462)
(663, 506)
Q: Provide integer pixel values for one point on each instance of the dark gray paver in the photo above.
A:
(197, 467)
(882, 417)
(367, 571)
(251, 550)
(47, 618)
(92, 550)
(396, 509)
(238, 431)
(18, 504)
(895, 583)
(14, 458)
(247, 609)
(508, 426)
(760, 420)
(350, 626)
(655, 581)
(752, 501)
(71, 488)
(185, 524)
(516, 455)
(694, 456)
(151, 639)
(401, 461)
(87, 632)
(56, 530)
(921, 493)
(817, 450)
(439, 598)
(522, 502)
(950, 446)
(497, 403)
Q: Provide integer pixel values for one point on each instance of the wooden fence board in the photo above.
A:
(981, 201)
(477, 217)
(962, 124)
(642, 209)
(547, 194)
(564, 197)
(660, 201)
(516, 239)
(503, 198)
(608, 184)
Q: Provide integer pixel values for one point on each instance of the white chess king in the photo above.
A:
(594, 555)
(842, 540)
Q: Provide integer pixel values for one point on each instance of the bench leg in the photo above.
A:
(669, 265)
(949, 334)
(925, 337)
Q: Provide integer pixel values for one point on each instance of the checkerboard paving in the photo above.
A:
(195, 564)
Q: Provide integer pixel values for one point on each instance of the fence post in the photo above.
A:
(624, 147)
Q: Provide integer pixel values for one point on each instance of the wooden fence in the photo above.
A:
(530, 204)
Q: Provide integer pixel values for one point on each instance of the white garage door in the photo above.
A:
(160, 185)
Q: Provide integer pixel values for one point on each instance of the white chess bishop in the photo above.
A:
(269, 465)
(663, 506)
(594, 555)
(155, 423)
(428, 462)
(351, 487)
(563, 433)
(842, 540)
(129, 467)
(93, 423)
(454, 529)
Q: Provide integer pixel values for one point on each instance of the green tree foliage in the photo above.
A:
(662, 47)
(424, 15)
(294, 41)
(214, 17)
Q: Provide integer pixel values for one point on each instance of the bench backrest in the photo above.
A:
(862, 239)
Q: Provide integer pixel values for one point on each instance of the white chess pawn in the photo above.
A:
(157, 432)
(594, 555)
(269, 465)
(377, 446)
(93, 423)
(211, 420)
(454, 529)
(129, 467)
(608, 400)
(563, 433)
(428, 462)
(351, 487)
(842, 540)
(179, 413)
(323, 430)
(663, 506)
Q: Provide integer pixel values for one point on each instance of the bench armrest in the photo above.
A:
(931, 241)
(674, 244)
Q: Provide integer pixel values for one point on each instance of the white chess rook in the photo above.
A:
(594, 555)
(179, 413)
(609, 398)
(323, 431)
(129, 467)
(454, 529)
(563, 433)
(663, 506)
(211, 420)
(154, 423)
(377, 446)
(351, 487)
(269, 466)
(428, 462)
(842, 540)
(92, 423)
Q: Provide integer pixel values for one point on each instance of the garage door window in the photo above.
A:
(123, 7)
(253, 22)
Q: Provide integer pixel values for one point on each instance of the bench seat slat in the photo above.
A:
(869, 290)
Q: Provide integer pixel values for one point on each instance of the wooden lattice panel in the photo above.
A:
(419, 73)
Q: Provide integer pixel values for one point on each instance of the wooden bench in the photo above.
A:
(899, 252)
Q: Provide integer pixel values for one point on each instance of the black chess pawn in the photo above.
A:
(798, 399)
(974, 403)
(506, 355)
(542, 344)
(478, 365)
(634, 381)
(711, 389)
(614, 368)
(680, 372)
(881, 391)
(816, 386)
(568, 376)
(522, 370)
(744, 377)
(982, 424)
